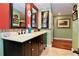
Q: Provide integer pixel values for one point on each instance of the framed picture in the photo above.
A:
(45, 19)
(75, 15)
(63, 23)
(75, 12)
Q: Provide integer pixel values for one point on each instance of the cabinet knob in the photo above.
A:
(29, 41)
(32, 49)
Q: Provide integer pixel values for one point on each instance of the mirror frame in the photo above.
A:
(47, 21)
(11, 17)
(36, 20)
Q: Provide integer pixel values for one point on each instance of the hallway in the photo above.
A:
(57, 52)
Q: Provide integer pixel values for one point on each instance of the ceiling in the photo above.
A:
(57, 8)
(42, 5)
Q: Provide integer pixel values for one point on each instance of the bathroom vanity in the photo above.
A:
(29, 44)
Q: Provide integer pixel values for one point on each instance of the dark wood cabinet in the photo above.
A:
(12, 48)
(32, 47)
(45, 40)
(40, 44)
(27, 48)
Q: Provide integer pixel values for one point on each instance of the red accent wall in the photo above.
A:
(4, 16)
(28, 19)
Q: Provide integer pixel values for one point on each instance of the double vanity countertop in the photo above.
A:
(13, 36)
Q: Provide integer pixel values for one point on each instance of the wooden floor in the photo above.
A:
(64, 44)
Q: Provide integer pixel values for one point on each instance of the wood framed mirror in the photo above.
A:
(34, 20)
(17, 15)
(45, 19)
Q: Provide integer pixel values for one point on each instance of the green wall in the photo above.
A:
(1, 47)
(62, 32)
(75, 34)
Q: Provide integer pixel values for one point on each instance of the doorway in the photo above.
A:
(62, 35)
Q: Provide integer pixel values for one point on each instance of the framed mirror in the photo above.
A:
(34, 16)
(17, 15)
(45, 19)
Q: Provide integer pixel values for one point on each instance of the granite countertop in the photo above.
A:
(13, 36)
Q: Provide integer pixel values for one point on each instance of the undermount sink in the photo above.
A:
(8, 34)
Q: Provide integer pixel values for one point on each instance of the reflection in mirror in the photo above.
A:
(18, 15)
(45, 19)
(34, 16)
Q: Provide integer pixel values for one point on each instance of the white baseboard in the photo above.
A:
(62, 38)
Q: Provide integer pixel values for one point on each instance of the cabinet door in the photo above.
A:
(12, 48)
(34, 47)
(27, 48)
(45, 40)
(40, 44)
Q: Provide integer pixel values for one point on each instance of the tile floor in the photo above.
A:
(57, 52)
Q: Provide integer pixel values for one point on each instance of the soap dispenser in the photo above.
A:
(29, 28)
